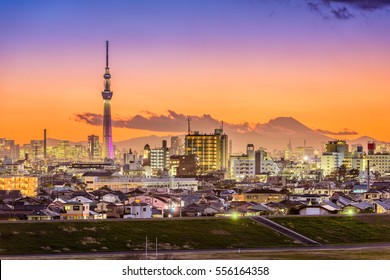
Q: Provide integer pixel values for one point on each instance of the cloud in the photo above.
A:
(171, 122)
(342, 13)
(345, 132)
(340, 9)
(363, 4)
(313, 6)
(89, 118)
(176, 122)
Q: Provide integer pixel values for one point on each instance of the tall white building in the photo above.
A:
(330, 162)
(243, 166)
(159, 160)
(379, 163)
(333, 158)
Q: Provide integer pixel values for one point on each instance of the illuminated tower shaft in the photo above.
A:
(108, 149)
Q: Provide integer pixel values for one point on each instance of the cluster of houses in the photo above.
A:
(67, 203)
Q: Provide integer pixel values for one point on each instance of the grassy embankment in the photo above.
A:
(341, 229)
(96, 236)
(122, 236)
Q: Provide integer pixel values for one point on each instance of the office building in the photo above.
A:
(210, 149)
(94, 152)
(159, 160)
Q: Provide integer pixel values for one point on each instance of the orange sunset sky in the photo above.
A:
(239, 61)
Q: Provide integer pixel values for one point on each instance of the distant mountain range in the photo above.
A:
(272, 135)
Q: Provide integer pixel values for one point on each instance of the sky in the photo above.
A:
(325, 63)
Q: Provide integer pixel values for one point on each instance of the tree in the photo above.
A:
(341, 172)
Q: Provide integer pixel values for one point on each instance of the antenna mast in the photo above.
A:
(189, 125)
(106, 54)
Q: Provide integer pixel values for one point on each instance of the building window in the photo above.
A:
(76, 208)
(144, 209)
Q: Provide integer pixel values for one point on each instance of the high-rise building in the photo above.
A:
(379, 163)
(146, 156)
(183, 166)
(210, 149)
(243, 166)
(333, 158)
(159, 159)
(63, 150)
(338, 146)
(93, 147)
(129, 157)
(108, 149)
(8, 149)
(176, 146)
(28, 185)
(371, 146)
(36, 149)
(260, 158)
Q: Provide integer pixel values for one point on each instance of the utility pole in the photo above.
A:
(146, 248)
(368, 173)
(180, 206)
(156, 247)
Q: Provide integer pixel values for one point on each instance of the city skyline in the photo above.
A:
(247, 62)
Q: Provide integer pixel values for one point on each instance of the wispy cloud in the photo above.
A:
(176, 122)
(171, 122)
(341, 9)
(344, 132)
(363, 4)
(89, 118)
(342, 13)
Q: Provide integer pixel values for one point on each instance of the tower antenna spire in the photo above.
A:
(108, 149)
(189, 125)
(106, 54)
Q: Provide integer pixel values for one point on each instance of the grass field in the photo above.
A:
(128, 235)
(341, 229)
(95, 236)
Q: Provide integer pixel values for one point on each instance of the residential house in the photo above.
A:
(43, 215)
(157, 202)
(74, 210)
(331, 206)
(8, 196)
(259, 209)
(196, 209)
(358, 189)
(357, 208)
(285, 207)
(382, 206)
(310, 199)
(342, 199)
(375, 194)
(19, 211)
(110, 209)
(308, 210)
(137, 210)
(192, 210)
(81, 199)
(263, 196)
